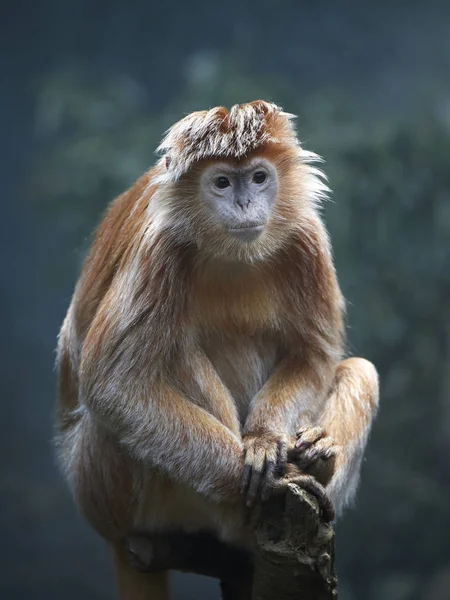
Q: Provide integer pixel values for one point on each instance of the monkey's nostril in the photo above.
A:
(242, 203)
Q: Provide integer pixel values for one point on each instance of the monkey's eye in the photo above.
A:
(222, 182)
(259, 177)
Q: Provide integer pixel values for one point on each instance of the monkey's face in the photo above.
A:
(240, 197)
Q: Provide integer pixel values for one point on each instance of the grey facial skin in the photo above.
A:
(240, 197)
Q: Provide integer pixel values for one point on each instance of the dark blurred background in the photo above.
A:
(87, 89)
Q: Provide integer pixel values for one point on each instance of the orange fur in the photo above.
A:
(180, 348)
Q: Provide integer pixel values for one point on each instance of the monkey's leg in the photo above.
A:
(333, 451)
(102, 479)
(134, 585)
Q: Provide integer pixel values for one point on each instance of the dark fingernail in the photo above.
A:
(246, 478)
(281, 470)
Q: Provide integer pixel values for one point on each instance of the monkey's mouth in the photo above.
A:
(246, 233)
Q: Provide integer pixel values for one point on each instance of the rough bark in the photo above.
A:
(200, 553)
(293, 560)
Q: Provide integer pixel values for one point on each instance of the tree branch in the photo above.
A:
(294, 556)
(293, 559)
(199, 553)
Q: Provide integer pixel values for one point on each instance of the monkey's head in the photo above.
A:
(237, 183)
(240, 195)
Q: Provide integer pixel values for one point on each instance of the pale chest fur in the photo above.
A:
(237, 323)
(243, 363)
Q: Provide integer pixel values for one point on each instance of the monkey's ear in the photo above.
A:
(168, 161)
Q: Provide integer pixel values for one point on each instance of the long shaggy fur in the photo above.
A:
(219, 133)
(180, 348)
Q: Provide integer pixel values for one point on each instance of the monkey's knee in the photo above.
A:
(358, 378)
(360, 367)
(348, 417)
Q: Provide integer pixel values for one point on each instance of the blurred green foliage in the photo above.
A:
(390, 227)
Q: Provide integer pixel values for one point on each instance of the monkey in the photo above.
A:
(203, 351)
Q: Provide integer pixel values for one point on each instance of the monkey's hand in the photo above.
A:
(314, 453)
(265, 460)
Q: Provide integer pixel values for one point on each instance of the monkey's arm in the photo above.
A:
(124, 381)
(294, 394)
(161, 427)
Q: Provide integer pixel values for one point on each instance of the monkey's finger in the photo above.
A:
(270, 472)
(269, 482)
(246, 476)
(324, 449)
(281, 457)
(259, 461)
(307, 436)
(247, 473)
(273, 451)
(302, 430)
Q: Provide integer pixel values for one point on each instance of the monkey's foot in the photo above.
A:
(139, 551)
(313, 487)
(314, 452)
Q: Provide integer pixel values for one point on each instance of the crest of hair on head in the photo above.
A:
(219, 133)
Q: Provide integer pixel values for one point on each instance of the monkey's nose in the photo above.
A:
(243, 202)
